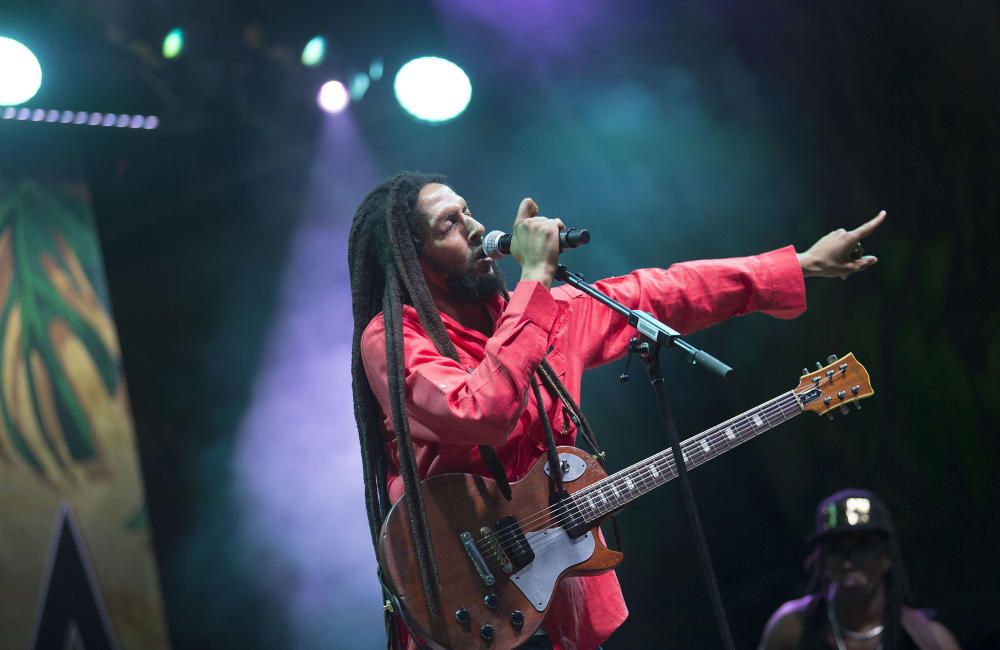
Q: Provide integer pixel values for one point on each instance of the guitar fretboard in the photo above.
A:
(625, 486)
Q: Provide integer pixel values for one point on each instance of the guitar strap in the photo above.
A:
(571, 410)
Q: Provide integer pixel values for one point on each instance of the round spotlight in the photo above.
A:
(333, 97)
(432, 89)
(173, 43)
(20, 73)
(314, 52)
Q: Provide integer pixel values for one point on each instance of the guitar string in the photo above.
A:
(566, 509)
(692, 449)
(692, 444)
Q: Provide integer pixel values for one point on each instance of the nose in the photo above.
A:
(475, 230)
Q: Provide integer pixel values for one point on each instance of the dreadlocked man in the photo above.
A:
(445, 361)
(858, 591)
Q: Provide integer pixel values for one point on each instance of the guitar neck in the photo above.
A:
(623, 487)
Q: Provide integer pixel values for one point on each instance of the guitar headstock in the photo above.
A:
(841, 382)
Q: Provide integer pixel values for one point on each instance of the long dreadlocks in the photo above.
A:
(382, 253)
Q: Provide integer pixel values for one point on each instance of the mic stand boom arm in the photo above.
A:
(656, 335)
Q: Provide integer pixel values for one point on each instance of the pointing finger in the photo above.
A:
(866, 229)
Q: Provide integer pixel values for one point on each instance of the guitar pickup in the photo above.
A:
(511, 538)
(569, 516)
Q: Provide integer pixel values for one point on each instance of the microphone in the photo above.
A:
(496, 244)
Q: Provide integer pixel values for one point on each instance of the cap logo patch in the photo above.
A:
(856, 510)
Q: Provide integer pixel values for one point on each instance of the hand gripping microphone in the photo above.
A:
(496, 244)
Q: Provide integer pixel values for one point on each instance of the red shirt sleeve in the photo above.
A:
(688, 297)
(449, 403)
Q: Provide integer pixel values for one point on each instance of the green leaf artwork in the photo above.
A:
(49, 312)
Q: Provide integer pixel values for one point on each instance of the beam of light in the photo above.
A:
(20, 73)
(314, 52)
(432, 89)
(297, 465)
(173, 43)
(333, 97)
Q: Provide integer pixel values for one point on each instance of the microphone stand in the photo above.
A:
(654, 335)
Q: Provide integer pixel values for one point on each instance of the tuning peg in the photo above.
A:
(830, 415)
(844, 409)
(857, 406)
(831, 358)
(805, 371)
(819, 366)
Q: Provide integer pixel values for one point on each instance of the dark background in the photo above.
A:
(673, 131)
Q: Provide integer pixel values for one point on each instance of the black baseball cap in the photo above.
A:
(850, 511)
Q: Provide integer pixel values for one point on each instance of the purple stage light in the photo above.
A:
(303, 516)
(333, 97)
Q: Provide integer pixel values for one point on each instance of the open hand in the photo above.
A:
(839, 253)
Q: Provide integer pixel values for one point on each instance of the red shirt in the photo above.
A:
(485, 397)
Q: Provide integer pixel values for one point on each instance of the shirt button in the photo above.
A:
(443, 386)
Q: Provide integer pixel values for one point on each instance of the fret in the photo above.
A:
(630, 483)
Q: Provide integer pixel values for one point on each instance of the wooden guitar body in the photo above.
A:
(465, 503)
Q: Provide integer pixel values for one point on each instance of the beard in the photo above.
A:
(475, 288)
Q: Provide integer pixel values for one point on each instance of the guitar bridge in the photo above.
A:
(478, 561)
(494, 549)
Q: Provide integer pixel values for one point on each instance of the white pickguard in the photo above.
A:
(554, 553)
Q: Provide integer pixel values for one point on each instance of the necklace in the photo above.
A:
(840, 632)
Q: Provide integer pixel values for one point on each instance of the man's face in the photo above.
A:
(855, 563)
(452, 257)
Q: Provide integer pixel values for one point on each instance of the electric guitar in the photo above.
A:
(499, 561)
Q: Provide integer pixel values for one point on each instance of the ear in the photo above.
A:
(885, 560)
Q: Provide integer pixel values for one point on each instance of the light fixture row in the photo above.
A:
(83, 118)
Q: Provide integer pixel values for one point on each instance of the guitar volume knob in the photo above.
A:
(491, 600)
(462, 615)
(487, 632)
(517, 618)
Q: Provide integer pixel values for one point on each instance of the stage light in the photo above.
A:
(432, 89)
(314, 52)
(375, 70)
(359, 86)
(333, 97)
(173, 43)
(20, 73)
(80, 118)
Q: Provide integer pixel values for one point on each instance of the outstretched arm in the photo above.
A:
(839, 253)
